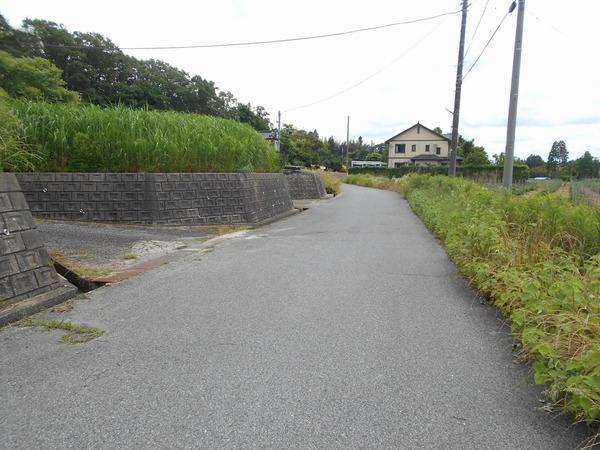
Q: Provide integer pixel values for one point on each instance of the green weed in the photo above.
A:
(75, 334)
(538, 259)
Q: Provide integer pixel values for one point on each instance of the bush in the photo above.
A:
(332, 182)
(81, 138)
(487, 172)
(538, 259)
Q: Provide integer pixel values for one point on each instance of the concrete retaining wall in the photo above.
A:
(158, 198)
(25, 269)
(305, 185)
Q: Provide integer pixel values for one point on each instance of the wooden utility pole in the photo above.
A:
(347, 143)
(279, 131)
(459, 70)
(509, 153)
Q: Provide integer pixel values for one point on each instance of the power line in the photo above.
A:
(276, 41)
(487, 44)
(477, 27)
(372, 75)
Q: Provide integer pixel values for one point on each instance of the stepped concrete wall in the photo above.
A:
(25, 269)
(305, 185)
(158, 198)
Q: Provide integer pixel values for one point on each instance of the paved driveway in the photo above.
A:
(343, 327)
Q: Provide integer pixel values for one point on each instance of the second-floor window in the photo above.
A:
(400, 148)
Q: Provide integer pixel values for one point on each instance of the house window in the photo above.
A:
(427, 148)
(400, 148)
(414, 148)
(438, 150)
(396, 165)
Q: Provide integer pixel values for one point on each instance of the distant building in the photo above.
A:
(418, 145)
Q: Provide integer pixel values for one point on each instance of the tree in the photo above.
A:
(96, 68)
(477, 157)
(587, 166)
(499, 159)
(33, 78)
(438, 130)
(534, 161)
(374, 156)
(558, 156)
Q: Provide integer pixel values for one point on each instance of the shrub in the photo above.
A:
(538, 259)
(332, 182)
(118, 139)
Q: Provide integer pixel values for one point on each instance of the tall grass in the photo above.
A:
(14, 154)
(538, 259)
(119, 139)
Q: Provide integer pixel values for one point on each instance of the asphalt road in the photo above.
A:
(345, 326)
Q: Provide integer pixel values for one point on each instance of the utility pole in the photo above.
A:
(278, 142)
(347, 143)
(509, 154)
(459, 76)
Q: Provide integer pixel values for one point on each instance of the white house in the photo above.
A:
(418, 145)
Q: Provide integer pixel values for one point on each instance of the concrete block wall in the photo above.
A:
(25, 269)
(158, 198)
(305, 185)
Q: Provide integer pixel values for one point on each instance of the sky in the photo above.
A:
(385, 80)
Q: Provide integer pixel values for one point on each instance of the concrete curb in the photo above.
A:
(36, 304)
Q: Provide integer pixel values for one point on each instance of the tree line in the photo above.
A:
(558, 164)
(94, 67)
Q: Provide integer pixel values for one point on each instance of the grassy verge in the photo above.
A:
(86, 138)
(75, 334)
(537, 258)
(368, 180)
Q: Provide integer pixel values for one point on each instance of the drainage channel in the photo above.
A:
(83, 284)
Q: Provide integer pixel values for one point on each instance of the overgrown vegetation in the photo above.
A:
(332, 182)
(537, 258)
(90, 138)
(95, 68)
(14, 154)
(75, 334)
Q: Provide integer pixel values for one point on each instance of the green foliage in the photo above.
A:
(33, 78)
(534, 161)
(558, 156)
(587, 166)
(119, 139)
(520, 171)
(74, 334)
(102, 74)
(538, 259)
(374, 156)
(14, 155)
(332, 182)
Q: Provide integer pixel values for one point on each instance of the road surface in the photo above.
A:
(345, 326)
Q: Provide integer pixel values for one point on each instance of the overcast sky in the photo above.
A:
(409, 70)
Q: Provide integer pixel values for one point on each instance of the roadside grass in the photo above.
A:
(537, 258)
(368, 180)
(75, 334)
(332, 182)
(128, 257)
(88, 138)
